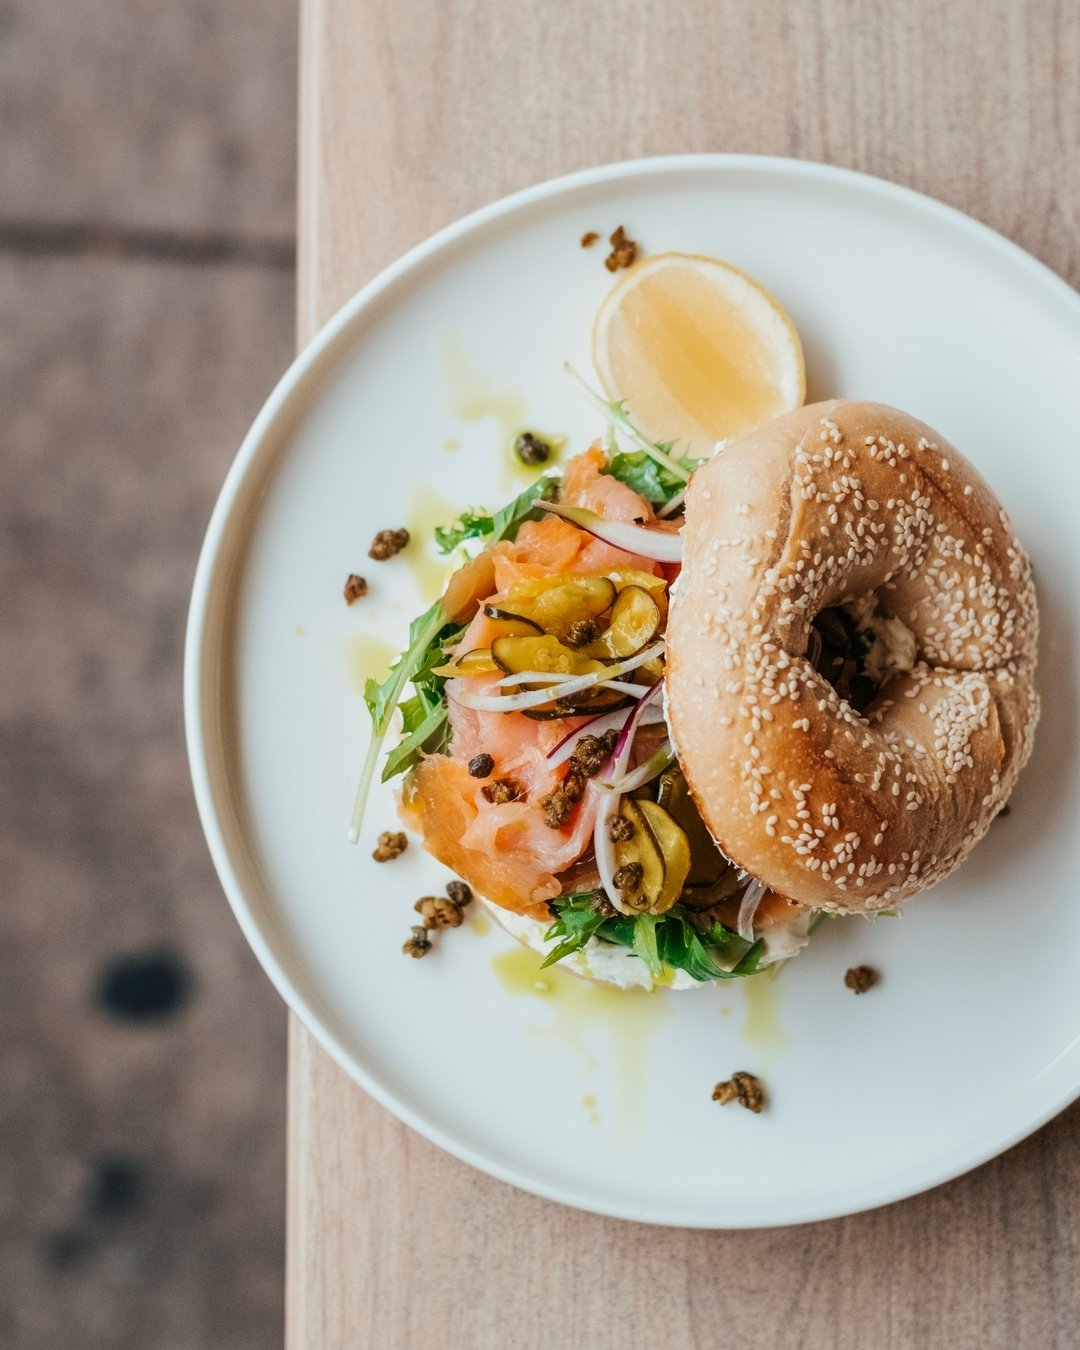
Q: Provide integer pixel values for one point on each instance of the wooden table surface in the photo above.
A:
(412, 113)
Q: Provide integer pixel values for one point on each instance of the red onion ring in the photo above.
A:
(752, 897)
(609, 803)
(561, 751)
(655, 544)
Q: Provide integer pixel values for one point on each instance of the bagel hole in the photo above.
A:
(859, 650)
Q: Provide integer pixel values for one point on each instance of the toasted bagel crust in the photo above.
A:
(827, 504)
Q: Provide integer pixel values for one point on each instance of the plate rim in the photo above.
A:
(279, 405)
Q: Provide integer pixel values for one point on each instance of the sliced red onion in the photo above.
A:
(624, 687)
(534, 677)
(528, 698)
(609, 802)
(604, 848)
(596, 726)
(621, 753)
(644, 773)
(748, 908)
(532, 698)
(656, 544)
(554, 683)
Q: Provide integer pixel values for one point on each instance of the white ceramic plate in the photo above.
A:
(580, 1094)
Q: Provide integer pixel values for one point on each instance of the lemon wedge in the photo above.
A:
(698, 350)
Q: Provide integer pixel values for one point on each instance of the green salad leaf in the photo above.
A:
(660, 940)
(506, 523)
(475, 523)
(429, 635)
(618, 415)
(471, 524)
(576, 921)
(424, 716)
(644, 942)
(428, 732)
(648, 478)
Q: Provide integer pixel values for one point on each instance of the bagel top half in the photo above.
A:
(830, 503)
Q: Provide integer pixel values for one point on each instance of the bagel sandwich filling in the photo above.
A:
(669, 713)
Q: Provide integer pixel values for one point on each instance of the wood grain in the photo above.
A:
(413, 112)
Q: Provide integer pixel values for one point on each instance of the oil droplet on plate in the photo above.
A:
(430, 570)
(473, 392)
(299, 630)
(588, 1101)
(474, 395)
(479, 923)
(451, 444)
(762, 1028)
(368, 657)
(519, 972)
(626, 1018)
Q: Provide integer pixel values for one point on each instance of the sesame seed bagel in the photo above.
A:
(826, 505)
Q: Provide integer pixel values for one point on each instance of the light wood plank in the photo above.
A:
(413, 112)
